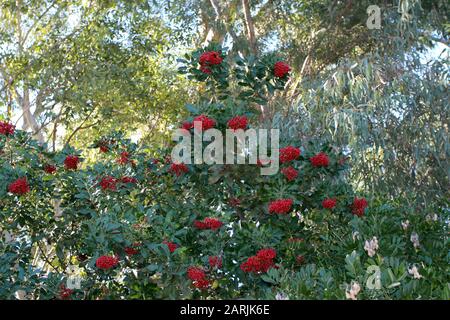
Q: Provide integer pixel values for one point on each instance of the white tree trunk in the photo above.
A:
(29, 121)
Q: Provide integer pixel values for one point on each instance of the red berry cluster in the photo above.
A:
(329, 203)
(261, 262)
(178, 168)
(71, 162)
(108, 183)
(320, 160)
(215, 262)
(208, 59)
(290, 173)
(171, 245)
(358, 206)
(187, 125)
(208, 223)
(206, 123)
(281, 69)
(106, 262)
(289, 153)
(238, 122)
(124, 158)
(198, 277)
(127, 179)
(6, 128)
(50, 169)
(64, 293)
(280, 206)
(19, 187)
(134, 249)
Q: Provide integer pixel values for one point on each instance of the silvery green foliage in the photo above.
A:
(389, 107)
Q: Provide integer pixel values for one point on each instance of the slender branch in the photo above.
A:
(216, 8)
(81, 127)
(36, 22)
(46, 259)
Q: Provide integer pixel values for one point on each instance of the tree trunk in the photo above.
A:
(250, 27)
(29, 121)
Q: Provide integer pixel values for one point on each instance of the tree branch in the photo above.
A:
(36, 22)
(250, 27)
(81, 127)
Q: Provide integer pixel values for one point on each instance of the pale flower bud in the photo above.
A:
(371, 246)
(281, 296)
(415, 239)
(414, 271)
(353, 292)
(405, 224)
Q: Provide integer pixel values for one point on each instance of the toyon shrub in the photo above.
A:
(131, 224)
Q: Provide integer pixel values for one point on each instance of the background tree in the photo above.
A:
(69, 66)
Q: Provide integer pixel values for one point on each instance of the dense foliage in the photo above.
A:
(132, 225)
